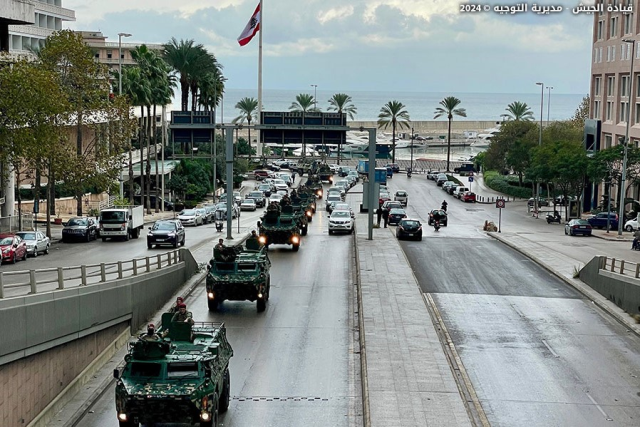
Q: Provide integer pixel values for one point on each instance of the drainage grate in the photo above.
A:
(279, 399)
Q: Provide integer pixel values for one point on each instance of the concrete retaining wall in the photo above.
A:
(48, 339)
(621, 289)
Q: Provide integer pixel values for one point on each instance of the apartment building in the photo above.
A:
(110, 52)
(615, 39)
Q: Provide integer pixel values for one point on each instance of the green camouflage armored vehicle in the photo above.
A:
(301, 207)
(324, 172)
(315, 185)
(276, 228)
(183, 378)
(242, 277)
(298, 215)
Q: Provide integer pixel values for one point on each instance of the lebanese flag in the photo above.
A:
(251, 29)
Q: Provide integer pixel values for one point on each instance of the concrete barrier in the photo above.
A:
(612, 283)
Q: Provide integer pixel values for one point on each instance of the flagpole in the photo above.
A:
(259, 145)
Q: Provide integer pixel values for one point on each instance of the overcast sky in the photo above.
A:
(366, 45)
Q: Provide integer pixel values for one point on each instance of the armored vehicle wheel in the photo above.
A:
(212, 304)
(304, 230)
(261, 305)
(128, 424)
(296, 248)
(309, 219)
(225, 396)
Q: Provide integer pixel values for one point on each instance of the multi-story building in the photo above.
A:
(108, 52)
(615, 40)
(48, 17)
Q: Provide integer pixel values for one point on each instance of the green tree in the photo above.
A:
(99, 144)
(519, 111)
(582, 112)
(499, 155)
(393, 113)
(248, 108)
(30, 122)
(449, 108)
(179, 56)
(342, 103)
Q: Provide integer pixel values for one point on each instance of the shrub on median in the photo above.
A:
(503, 184)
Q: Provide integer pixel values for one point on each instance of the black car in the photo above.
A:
(80, 228)
(166, 232)
(443, 217)
(396, 215)
(259, 198)
(395, 168)
(409, 229)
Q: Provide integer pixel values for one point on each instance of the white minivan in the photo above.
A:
(459, 191)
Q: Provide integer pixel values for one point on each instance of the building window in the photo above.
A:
(596, 109)
(637, 113)
(611, 81)
(624, 85)
(613, 53)
(609, 110)
(600, 30)
(109, 54)
(97, 55)
(607, 141)
(623, 112)
(596, 86)
(613, 29)
(608, 53)
(627, 24)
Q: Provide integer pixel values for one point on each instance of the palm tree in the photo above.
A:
(202, 64)
(180, 56)
(519, 111)
(394, 113)
(449, 108)
(342, 103)
(303, 104)
(248, 111)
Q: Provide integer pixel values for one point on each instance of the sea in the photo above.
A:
(420, 105)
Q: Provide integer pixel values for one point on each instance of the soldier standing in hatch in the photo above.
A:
(174, 308)
(183, 315)
(151, 334)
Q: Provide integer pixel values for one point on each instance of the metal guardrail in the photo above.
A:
(621, 266)
(84, 275)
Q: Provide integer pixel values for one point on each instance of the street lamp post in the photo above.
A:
(626, 140)
(315, 100)
(548, 103)
(120, 36)
(535, 199)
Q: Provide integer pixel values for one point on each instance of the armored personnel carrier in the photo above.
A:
(315, 185)
(303, 204)
(243, 276)
(324, 172)
(276, 228)
(183, 378)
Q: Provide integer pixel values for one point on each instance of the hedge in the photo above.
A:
(505, 184)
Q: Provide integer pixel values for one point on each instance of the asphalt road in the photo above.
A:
(296, 363)
(537, 352)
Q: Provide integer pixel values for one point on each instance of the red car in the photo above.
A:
(12, 248)
(468, 197)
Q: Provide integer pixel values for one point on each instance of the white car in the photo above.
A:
(331, 200)
(344, 207)
(36, 242)
(280, 184)
(631, 225)
(340, 221)
(248, 205)
(334, 168)
(275, 198)
(336, 190)
(402, 197)
(190, 217)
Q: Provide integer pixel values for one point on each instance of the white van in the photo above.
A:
(459, 191)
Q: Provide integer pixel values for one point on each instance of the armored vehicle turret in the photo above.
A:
(324, 172)
(181, 379)
(315, 185)
(277, 228)
(245, 276)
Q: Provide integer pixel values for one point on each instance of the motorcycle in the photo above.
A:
(553, 218)
(436, 225)
(409, 174)
(444, 207)
(219, 225)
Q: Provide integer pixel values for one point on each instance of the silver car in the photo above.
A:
(37, 242)
(190, 217)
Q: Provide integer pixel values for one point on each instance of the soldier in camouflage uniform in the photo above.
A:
(151, 334)
(183, 315)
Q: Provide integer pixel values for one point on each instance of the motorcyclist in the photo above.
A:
(556, 215)
(408, 172)
(444, 205)
(436, 219)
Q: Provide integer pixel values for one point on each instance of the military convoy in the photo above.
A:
(277, 227)
(239, 275)
(183, 378)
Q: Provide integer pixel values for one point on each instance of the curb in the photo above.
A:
(603, 303)
(366, 412)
